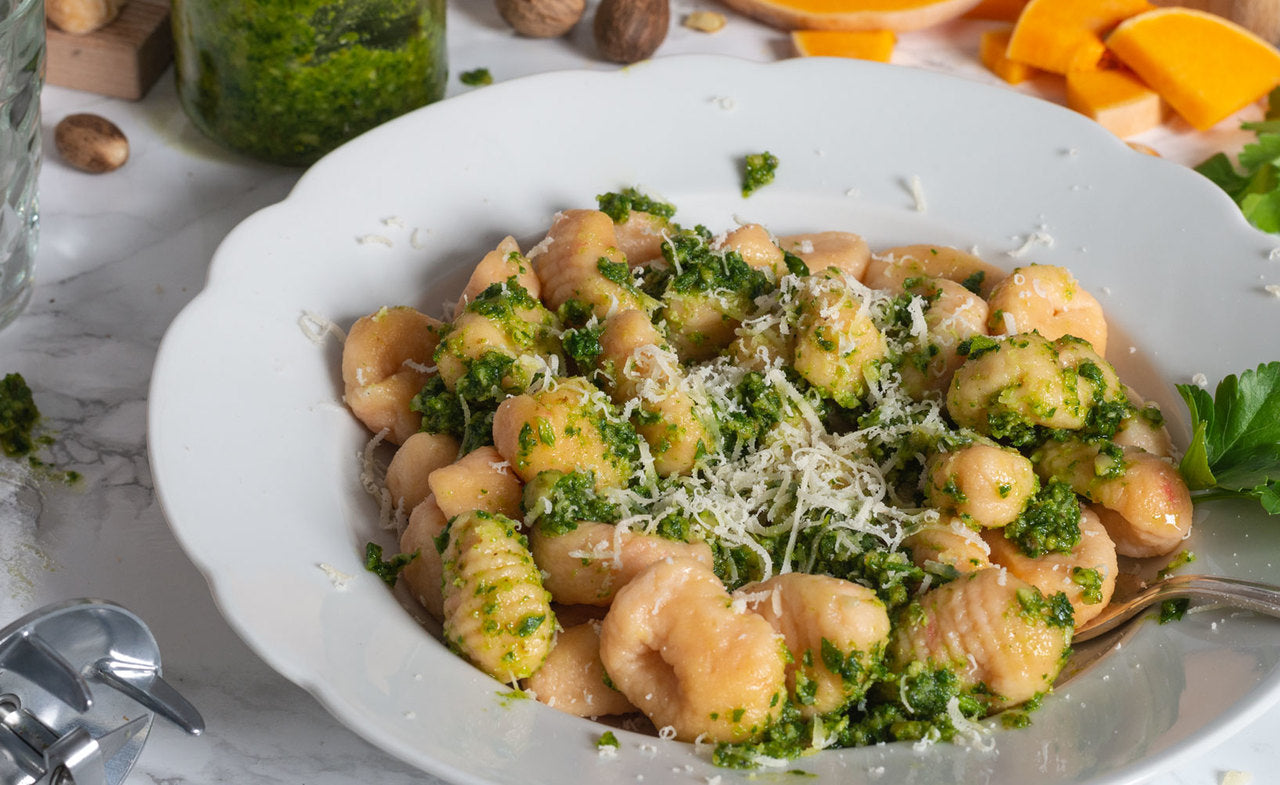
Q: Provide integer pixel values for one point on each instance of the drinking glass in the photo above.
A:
(21, 74)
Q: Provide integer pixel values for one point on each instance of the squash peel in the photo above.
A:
(895, 15)
(1204, 66)
(1066, 35)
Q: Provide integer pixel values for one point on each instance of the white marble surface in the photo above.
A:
(120, 255)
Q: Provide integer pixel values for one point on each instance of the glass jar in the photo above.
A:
(289, 80)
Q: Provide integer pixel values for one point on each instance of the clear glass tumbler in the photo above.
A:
(21, 75)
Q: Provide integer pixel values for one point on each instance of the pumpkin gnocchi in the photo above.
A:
(797, 494)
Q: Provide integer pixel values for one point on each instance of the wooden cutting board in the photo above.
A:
(122, 60)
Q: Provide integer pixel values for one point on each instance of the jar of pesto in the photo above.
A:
(289, 80)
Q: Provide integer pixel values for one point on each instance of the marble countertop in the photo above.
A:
(120, 255)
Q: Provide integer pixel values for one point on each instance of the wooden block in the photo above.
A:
(121, 60)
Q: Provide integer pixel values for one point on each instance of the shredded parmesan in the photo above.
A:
(917, 193)
(317, 328)
(1036, 238)
(374, 239)
(339, 579)
(373, 476)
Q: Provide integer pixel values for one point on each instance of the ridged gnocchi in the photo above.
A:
(994, 629)
(496, 612)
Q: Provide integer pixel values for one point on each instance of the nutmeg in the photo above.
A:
(91, 143)
(541, 18)
(628, 31)
(82, 16)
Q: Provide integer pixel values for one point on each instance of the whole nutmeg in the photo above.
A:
(628, 31)
(91, 143)
(541, 18)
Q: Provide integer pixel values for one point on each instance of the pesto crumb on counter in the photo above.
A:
(18, 416)
(19, 422)
(476, 78)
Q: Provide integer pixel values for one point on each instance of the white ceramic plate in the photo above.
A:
(255, 458)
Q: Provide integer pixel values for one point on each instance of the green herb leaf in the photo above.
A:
(1235, 442)
(1255, 186)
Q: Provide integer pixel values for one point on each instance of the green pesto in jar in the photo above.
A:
(288, 82)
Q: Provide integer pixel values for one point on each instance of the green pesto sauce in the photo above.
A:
(702, 269)
(1054, 610)
(905, 706)
(607, 739)
(19, 419)
(758, 171)
(974, 281)
(1049, 524)
(287, 82)
(555, 502)
(619, 204)
(386, 569)
(1174, 610)
(476, 78)
(1179, 561)
(582, 345)
(18, 416)
(1090, 582)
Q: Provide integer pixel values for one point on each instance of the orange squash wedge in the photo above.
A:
(991, 51)
(997, 10)
(896, 15)
(1120, 102)
(874, 45)
(1206, 67)
(1066, 35)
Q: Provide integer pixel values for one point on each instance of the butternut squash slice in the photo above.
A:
(991, 51)
(997, 10)
(1066, 35)
(896, 15)
(1120, 102)
(1206, 67)
(874, 45)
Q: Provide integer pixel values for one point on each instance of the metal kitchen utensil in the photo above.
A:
(1204, 589)
(79, 688)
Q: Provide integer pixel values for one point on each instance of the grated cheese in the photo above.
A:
(1033, 239)
(317, 328)
(917, 193)
(339, 579)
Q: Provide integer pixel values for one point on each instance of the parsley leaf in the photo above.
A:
(1235, 441)
(1257, 188)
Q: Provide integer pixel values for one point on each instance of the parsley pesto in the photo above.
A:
(288, 82)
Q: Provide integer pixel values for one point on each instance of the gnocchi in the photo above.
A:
(783, 492)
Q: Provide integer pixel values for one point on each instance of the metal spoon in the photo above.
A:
(1257, 597)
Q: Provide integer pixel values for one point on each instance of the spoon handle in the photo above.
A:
(1208, 589)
